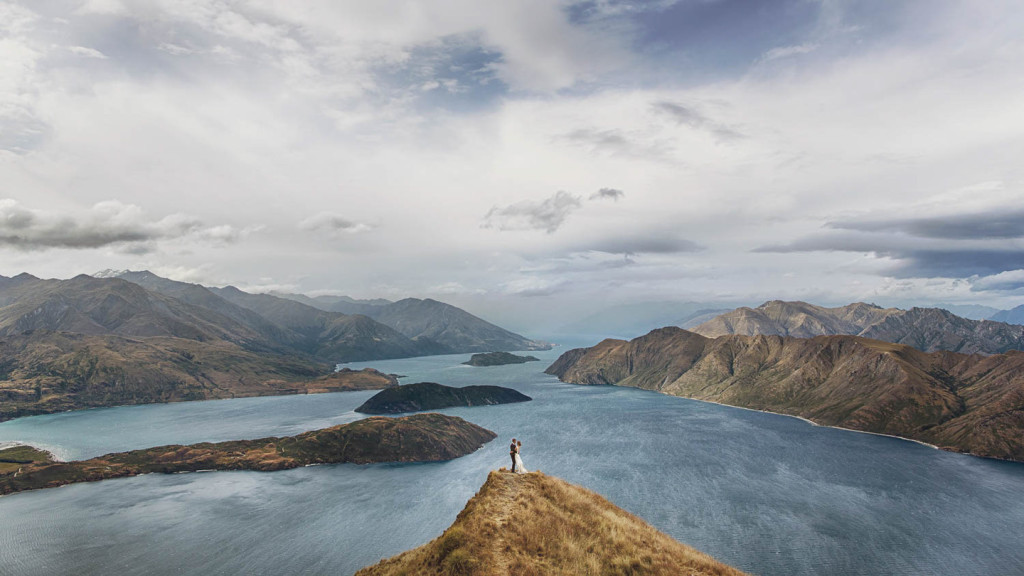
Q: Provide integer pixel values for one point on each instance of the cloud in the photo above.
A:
(615, 142)
(109, 223)
(1008, 281)
(334, 224)
(608, 193)
(787, 51)
(689, 116)
(547, 215)
(87, 52)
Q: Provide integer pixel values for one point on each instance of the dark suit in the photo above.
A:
(512, 453)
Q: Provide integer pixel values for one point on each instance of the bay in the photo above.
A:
(770, 494)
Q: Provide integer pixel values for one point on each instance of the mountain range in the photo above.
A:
(927, 329)
(134, 337)
(963, 402)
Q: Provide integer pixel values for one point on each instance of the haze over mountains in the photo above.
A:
(927, 329)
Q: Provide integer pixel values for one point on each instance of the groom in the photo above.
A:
(512, 453)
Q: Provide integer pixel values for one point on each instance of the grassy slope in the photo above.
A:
(418, 438)
(965, 403)
(533, 524)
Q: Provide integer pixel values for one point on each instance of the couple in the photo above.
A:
(517, 462)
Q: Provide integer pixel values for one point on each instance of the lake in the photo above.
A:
(769, 494)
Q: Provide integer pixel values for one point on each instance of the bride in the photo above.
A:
(519, 461)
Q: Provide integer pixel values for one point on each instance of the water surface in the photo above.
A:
(769, 494)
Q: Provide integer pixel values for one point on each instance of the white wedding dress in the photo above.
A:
(519, 465)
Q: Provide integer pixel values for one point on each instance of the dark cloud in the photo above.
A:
(694, 119)
(914, 257)
(608, 193)
(651, 243)
(547, 215)
(994, 224)
(105, 224)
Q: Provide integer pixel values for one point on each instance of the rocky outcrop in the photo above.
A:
(966, 403)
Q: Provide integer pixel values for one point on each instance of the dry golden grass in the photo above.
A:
(533, 524)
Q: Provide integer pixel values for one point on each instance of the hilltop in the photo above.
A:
(927, 329)
(537, 524)
(498, 359)
(418, 438)
(960, 402)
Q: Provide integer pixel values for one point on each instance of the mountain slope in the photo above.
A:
(454, 328)
(331, 334)
(538, 524)
(965, 403)
(927, 329)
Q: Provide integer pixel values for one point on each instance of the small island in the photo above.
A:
(418, 438)
(498, 359)
(433, 396)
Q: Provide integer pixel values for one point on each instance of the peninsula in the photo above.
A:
(538, 524)
(433, 396)
(418, 438)
(960, 402)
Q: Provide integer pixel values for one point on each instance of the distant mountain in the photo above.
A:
(630, 320)
(967, 403)
(442, 324)
(971, 311)
(927, 329)
(332, 334)
(1011, 316)
(538, 524)
(343, 304)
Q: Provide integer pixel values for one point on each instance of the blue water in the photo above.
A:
(769, 494)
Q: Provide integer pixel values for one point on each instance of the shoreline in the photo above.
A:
(5, 444)
(813, 423)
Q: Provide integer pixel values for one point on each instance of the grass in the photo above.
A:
(533, 524)
(16, 457)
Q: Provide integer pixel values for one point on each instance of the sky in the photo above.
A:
(533, 161)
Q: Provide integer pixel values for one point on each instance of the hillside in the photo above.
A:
(927, 329)
(965, 403)
(537, 524)
(454, 328)
(43, 372)
(432, 396)
(419, 438)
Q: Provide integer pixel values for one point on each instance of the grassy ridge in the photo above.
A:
(533, 524)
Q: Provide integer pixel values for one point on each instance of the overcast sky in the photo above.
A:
(530, 160)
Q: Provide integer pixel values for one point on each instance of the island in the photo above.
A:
(433, 396)
(417, 438)
(498, 359)
(538, 524)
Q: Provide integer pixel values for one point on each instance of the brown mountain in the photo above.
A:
(965, 403)
(538, 524)
(43, 372)
(418, 438)
(927, 329)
